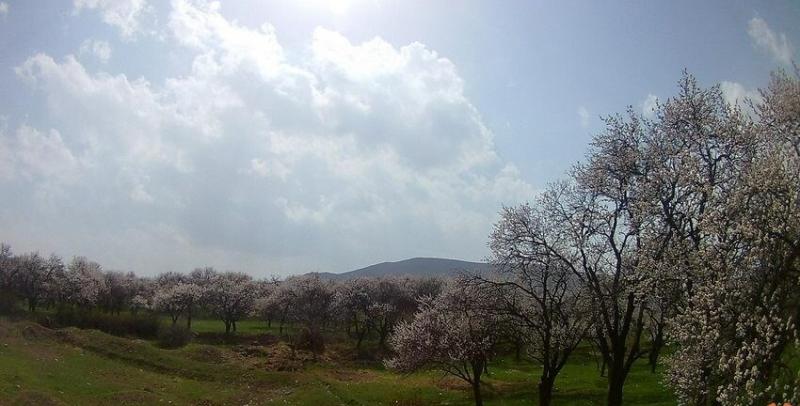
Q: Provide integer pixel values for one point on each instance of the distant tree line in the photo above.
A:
(362, 308)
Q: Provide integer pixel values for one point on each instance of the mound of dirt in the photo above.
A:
(206, 353)
(280, 357)
(36, 332)
(4, 331)
(250, 351)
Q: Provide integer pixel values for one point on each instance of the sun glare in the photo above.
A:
(336, 7)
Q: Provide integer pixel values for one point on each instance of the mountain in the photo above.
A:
(413, 267)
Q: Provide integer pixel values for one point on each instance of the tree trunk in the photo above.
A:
(189, 321)
(382, 335)
(477, 370)
(546, 390)
(709, 398)
(616, 381)
(476, 393)
(653, 359)
(658, 343)
(603, 367)
(227, 327)
(360, 339)
(234, 325)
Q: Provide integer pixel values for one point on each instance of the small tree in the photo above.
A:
(392, 301)
(84, 282)
(311, 303)
(230, 296)
(176, 300)
(142, 292)
(274, 304)
(139, 302)
(426, 287)
(452, 332)
(538, 293)
(33, 276)
(353, 302)
(8, 272)
(118, 291)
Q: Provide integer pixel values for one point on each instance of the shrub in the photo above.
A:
(142, 325)
(8, 303)
(309, 340)
(174, 336)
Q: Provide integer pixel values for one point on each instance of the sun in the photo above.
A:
(336, 7)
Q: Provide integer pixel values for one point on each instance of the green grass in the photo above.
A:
(74, 376)
(72, 366)
(243, 327)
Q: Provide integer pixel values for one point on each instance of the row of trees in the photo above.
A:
(49, 281)
(683, 229)
(362, 308)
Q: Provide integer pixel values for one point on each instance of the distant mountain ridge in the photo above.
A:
(413, 267)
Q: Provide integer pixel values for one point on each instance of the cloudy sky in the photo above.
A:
(280, 138)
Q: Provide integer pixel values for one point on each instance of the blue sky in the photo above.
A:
(284, 137)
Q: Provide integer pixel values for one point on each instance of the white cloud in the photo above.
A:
(649, 106)
(99, 49)
(3, 9)
(777, 45)
(7, 159)
(268, 169)
(583, 116)
(140, 194)
(33, 155)
(203, 28)
(349, 154)
(110, 114)
(735, 94)
(126, 15)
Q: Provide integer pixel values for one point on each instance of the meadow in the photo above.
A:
(42, 366)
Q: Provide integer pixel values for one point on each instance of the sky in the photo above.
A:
(278, 138)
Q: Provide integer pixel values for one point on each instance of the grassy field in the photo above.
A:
(243, 327)
(71, 366)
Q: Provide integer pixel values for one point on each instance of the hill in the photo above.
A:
(413, 267)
